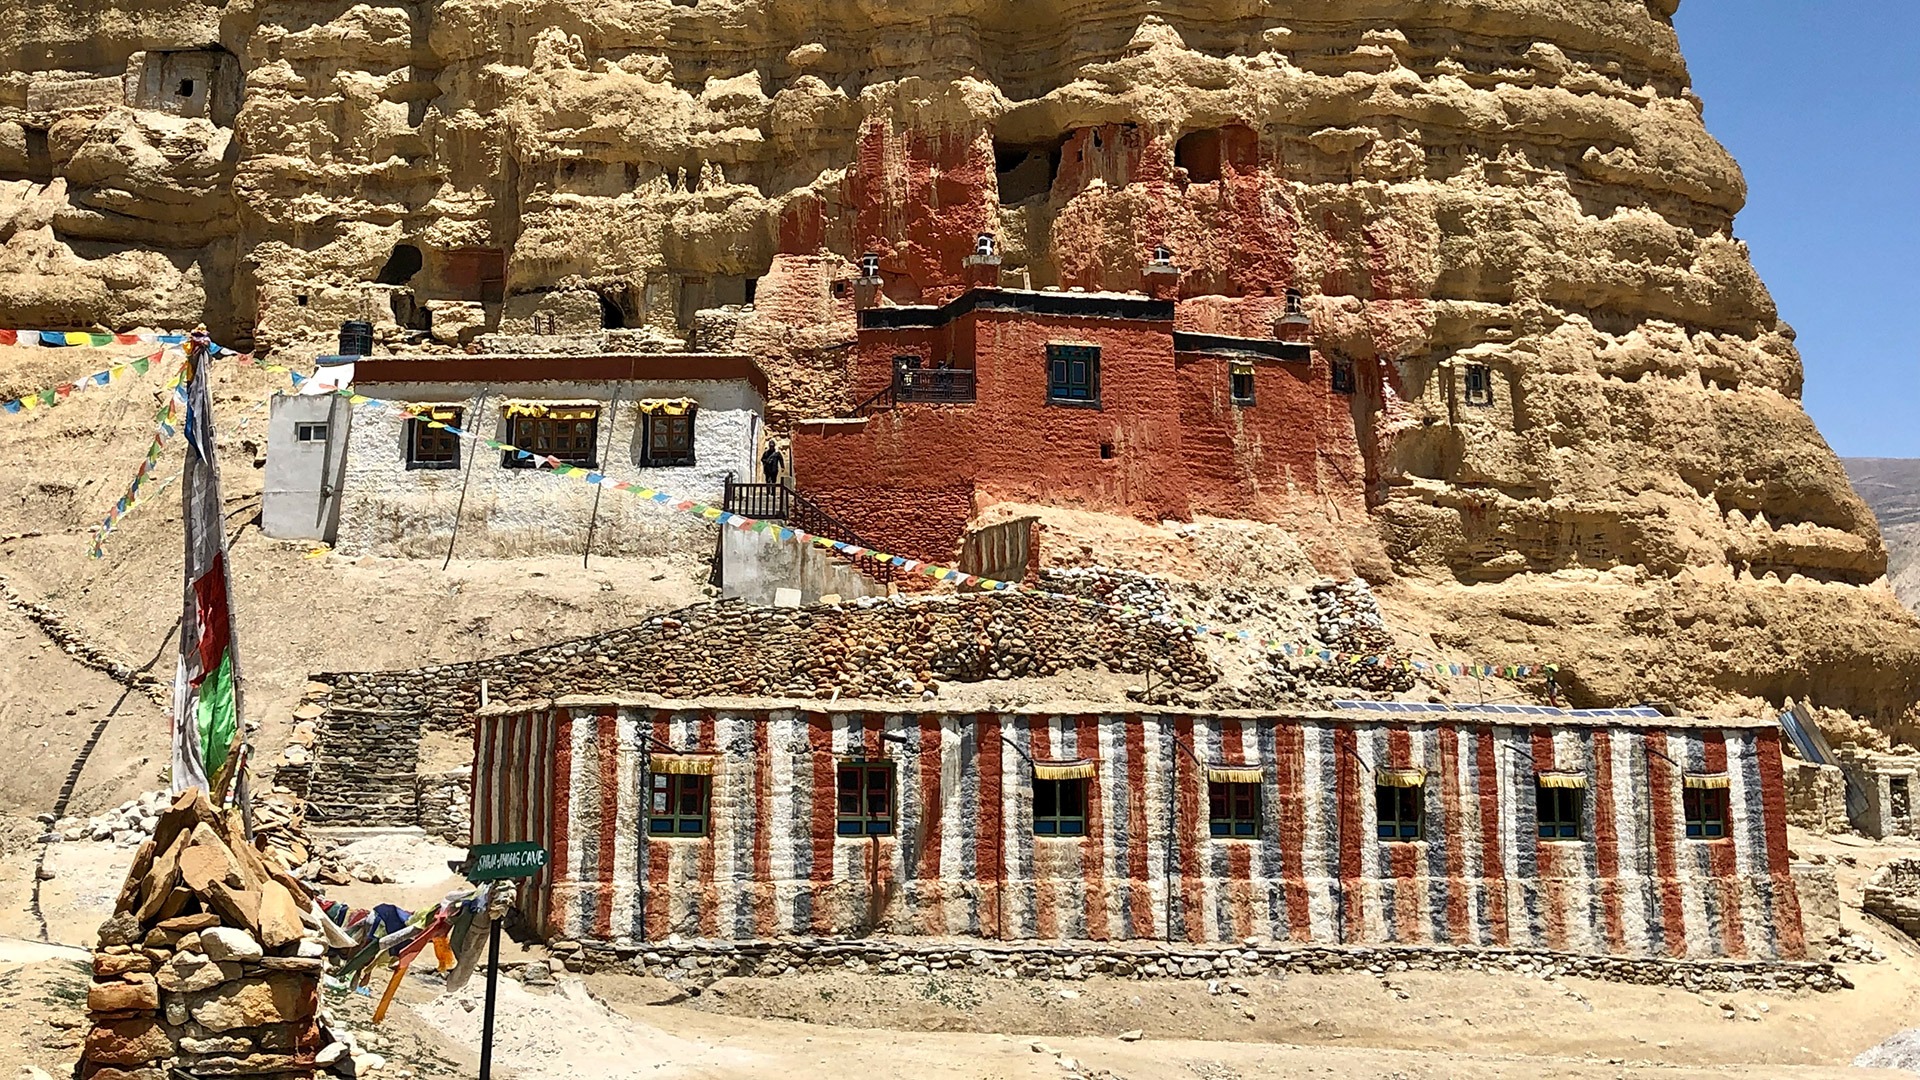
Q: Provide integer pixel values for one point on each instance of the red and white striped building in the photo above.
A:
(1607, 832)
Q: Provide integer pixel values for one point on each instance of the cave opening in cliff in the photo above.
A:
(39, 158)
(1198, 152)
(611, 315)
(402, 263)
(1026, 170)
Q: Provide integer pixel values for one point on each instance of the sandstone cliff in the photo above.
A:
(1524, 185)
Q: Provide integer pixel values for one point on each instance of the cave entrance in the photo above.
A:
(402, 263)
(1026, 170)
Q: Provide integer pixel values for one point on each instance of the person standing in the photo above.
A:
(771, 463)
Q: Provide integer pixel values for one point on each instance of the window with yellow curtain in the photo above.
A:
(669, 438)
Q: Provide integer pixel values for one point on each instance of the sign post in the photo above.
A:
(498, 862)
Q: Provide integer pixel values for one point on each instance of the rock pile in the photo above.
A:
(1342, 607)
(211, 962)
(278, 825)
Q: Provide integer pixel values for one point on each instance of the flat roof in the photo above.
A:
(1096, 305)
(560, 367)
(1250, 348)
(1348, 712)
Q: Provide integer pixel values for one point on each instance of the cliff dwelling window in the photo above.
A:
(430, 447)
(1479, 385)
(679, 806)
(1900, 797)
(1233, 809)
(402, 263)
(309, 433)
(1342, 375)
(1163, 256)
(611, 317)
(1198, 152)
(669, 433)
(870, 266)
(983, 244)
(185, 89)
(1398, 806)
(300, 299)
(1240, 383)
(39, 158)
(1073, 374)
(866, 798)
(1026, 171)
(567, 433)
(750, 289)
(1293, 302)
(1106, 451)
(1560, 804)
(1706, 807)
(1060, 807)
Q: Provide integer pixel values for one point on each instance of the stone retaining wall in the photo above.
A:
(445, 804)
(702, 959)
(363, 768)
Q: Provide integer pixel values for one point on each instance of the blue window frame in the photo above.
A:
(1399, 810)
(1560, 811)
(1073, 374)
(1706, 813)
(866, 798)
(679, 805)
(1233, 810)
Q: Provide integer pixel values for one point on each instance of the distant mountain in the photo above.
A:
(1891, 487)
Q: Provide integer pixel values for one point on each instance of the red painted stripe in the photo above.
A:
(709, 892)
(1239, 881)
(932, 816)
(1548, 856)
(1140, 888)
(562, 810)
(1409, 913)
(607, 741)
(990, 858)
(1290, 749)
(1192, 873)
(1792, 941)
(1459, 932)
(766, 906)
(1093, 847)
(1493, 866)
(1722, 860)
(1347, 781)
(657, 913)
(1606, 840)
(825, 799)
(1661, 782)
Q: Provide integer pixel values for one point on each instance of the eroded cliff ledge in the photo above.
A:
(1525, 185)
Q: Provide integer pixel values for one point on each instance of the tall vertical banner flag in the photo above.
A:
(206, 686)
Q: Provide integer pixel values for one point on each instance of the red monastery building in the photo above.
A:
(1078, 399)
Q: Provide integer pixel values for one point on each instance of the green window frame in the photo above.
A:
(1233, 810)
(1400, 812)
(866, 791)
(1073, 374)
(1561, 811)
(679, 805)
(1706, 811)
(1060, 807)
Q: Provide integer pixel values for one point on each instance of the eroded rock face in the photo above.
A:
(1523, 188)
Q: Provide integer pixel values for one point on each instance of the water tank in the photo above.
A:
(356, 339)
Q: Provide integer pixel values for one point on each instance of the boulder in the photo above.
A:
(128, 1042)
(227, 943)
(181, 924)
(121, 929)
(280, 923)
(217, 1044)
(107, 965)
(277, 999)
(191, 973)
(135, 993)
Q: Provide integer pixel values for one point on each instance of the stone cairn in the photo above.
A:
(210, 964)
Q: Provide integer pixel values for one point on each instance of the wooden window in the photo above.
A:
(570, 435)
(429, 447)
(680, 804)
(1400, 812)
(866, 798)
(1240, 386)
(669, 439)
(309, 433)
(1073, 374)
(1060, 807)
(1560, 811)
(1479, 385)
(1706, 813)
(1233, 810)
(1342, 375)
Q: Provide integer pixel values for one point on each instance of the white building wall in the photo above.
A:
(298, 497)
(392, 510)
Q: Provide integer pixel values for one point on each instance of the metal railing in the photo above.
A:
(953, 386)
(778, 502)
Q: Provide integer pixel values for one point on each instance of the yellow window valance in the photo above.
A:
(1401, 777)
(667, 406)
(446, 414)
(549, 410)
(1708, 781)
(1240, 367)
(683, 764)
(1563, 780)
(1062, 770)
(1233, 774)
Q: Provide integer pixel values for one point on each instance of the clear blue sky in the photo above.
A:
(1820, 102)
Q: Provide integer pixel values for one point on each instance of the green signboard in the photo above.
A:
(498, 862)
